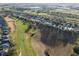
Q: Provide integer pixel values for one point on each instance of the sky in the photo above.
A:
(36, 4)
(39, 1)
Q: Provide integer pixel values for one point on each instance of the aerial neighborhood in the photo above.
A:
(39, 29)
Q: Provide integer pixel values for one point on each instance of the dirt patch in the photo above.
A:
(60, 50)
(10, 22)
(54, 46)
(38, 46)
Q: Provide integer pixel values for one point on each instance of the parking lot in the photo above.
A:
(4, 38)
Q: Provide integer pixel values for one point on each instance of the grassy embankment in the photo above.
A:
(22, 39)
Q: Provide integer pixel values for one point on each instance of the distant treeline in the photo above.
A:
(65, 15)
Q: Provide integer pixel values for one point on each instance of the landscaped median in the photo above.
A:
(23, 39)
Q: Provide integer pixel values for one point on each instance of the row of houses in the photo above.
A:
(56, 22)
(65, 26)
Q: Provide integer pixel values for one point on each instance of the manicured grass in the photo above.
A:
(23, 44)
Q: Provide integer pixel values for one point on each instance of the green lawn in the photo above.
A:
(19, 37)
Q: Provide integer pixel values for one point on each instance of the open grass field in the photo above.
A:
(22, 39)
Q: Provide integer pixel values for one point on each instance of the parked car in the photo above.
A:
(5, 32)
(5, 45)
(5, 41)
(5, 36)
(2, 53)
(1, 47)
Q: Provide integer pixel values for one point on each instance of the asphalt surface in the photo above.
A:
(4, 39)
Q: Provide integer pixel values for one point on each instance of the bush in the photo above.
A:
(76, 50)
